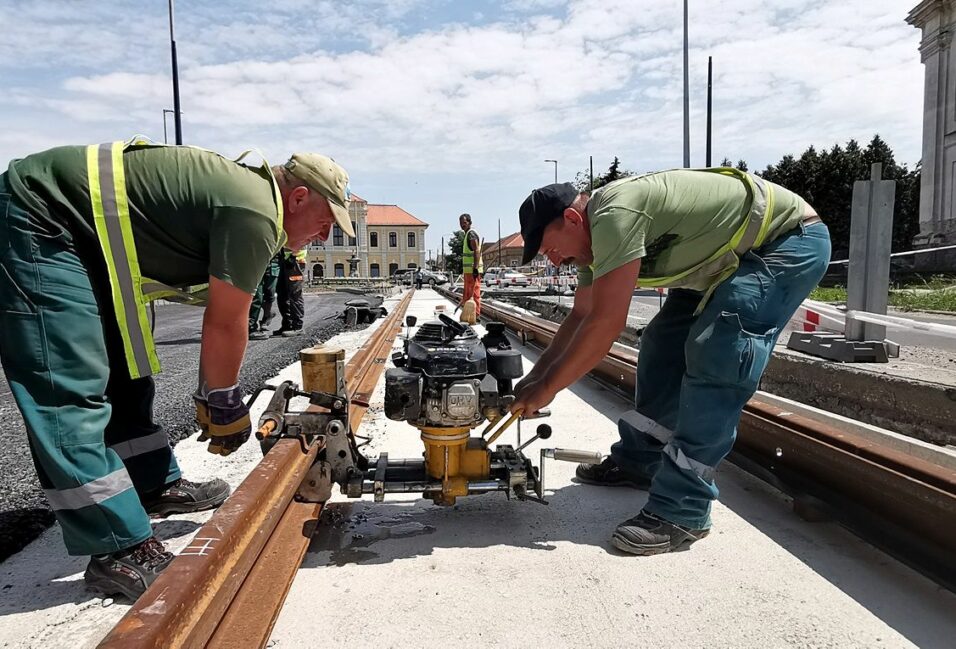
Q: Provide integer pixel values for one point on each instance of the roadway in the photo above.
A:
(23, 510)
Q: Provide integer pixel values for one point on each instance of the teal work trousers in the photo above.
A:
(696, 372)
(264, 299)
(89, 426)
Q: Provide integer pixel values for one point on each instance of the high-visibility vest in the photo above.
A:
(130, 291)
(725, 261)
(468, 256)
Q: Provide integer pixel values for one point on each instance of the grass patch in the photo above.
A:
(924, 298)
(825, 294)
(939, 300)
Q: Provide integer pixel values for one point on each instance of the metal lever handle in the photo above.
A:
(543, 432)
(565, 455)
(572, 455)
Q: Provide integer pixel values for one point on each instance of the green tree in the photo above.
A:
(453, 257)
(825, 179)
(582, 180)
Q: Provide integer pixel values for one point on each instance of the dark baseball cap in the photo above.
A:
(538, 210)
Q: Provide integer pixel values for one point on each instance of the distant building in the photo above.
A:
(387, 238)
(511, 252)
(937, 213)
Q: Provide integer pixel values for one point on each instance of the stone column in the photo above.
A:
(937, 20)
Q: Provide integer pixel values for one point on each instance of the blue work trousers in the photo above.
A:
(695, 373)
(89, 425)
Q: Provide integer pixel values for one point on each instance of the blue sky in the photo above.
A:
(448, 106)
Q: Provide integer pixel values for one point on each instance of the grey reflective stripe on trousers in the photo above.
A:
(755, 219)
(648, 426)
(705, 471)
(141, 445)
(120, 260)
(91, 493)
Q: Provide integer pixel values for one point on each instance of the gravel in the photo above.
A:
(24, 513)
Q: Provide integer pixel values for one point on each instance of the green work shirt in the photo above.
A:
(193, 212)
(673, 221)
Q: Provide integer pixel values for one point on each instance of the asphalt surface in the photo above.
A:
(24, 513)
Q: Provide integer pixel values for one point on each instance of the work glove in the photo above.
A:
(223, 419)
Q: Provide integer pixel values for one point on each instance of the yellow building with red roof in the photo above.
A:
(387, 238)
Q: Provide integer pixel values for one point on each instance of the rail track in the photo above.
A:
(897, 495)
(227, 587)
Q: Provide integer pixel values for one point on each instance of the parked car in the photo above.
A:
(492, 275)
(513, 278)
(404, 276)
(432, 278)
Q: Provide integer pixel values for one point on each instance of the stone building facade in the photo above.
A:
(937, 20)
(387, 238)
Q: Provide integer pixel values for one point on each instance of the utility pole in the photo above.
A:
(443, 254)
(172, 48)
(591, 158)
(499, 243)
(710, 94)
(686, 96)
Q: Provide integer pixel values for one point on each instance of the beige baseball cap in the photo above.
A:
(325, 176)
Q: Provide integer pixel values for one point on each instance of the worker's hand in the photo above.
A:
(531, 396)
(229, 423)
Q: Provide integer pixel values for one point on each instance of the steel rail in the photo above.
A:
(186, 604)
(901, 503)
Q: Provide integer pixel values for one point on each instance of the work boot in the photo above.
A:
(183, 496)
(609, 474)
(259, 334)
(646, 534)
(128, 572)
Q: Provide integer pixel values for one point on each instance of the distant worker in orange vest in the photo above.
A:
(472, 266)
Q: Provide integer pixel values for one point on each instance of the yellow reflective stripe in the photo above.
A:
(108, 203)
(126, 229)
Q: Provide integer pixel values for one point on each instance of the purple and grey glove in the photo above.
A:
(223, 418)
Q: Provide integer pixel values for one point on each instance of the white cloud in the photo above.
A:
(389, 90)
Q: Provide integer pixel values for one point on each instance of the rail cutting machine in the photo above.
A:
(447, 382)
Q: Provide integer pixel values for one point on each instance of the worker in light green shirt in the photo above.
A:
(739, 255)
(88, 235)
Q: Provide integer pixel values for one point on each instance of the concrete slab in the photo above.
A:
(499, 573)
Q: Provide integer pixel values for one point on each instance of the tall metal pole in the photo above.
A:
(710, 95)
(686, 95)
(172, 48)
(443, 254)
(591, 158)
(499, 243)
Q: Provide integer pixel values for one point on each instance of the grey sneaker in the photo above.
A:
(289, 333)
(184, 496)
(128, 572)
(259, 334)
(646, 534)
(609, 474)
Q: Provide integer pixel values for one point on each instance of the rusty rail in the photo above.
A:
(900, 503)
(226, 588)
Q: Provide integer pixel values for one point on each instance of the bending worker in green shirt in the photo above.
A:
(87, 236)
(739, 254)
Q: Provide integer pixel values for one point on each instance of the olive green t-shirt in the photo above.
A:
(193, 213)
(673, 221)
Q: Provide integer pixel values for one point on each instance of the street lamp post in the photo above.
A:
(686, 95)
(165, 135)
(555, 170)
(172, 48)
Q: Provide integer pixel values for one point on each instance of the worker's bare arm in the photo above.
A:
(593, 337)
(225, 330)
(567, 332)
